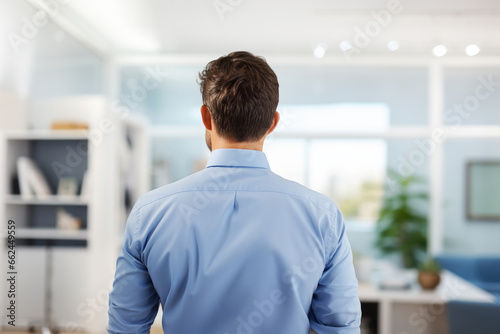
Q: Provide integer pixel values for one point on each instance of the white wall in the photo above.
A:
(15, 67)
(47, 63)
(462, 235)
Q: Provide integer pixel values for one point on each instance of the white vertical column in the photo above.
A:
(436, 110)
(111, 78)
(307, 163)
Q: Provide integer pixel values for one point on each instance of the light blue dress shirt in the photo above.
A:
(235, 249)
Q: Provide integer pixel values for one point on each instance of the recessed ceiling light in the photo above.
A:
(393, 45)
(439, 50)
(472, 50)
(320, 50)
(345, 46)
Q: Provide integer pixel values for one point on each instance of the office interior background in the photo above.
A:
(374, 95)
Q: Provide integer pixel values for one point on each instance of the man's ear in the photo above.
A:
(206, 117)
(276, 119)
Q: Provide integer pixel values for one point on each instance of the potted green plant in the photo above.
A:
(401, 227)
(429, 274)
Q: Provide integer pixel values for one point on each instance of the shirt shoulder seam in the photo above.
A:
(324, 205)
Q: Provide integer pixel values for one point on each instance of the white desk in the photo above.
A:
(419, 311)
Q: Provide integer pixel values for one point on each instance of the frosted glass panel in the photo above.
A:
(61, 67)
(176, 100)
(403, 90)
(173, 97)
(472, 96)
(175, 158)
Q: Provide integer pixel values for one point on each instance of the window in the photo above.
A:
(341, 129)
(350, 171)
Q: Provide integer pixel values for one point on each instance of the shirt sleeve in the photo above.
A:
(133, 302)
(335, 306)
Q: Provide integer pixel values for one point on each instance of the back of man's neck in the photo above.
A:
(257, 146)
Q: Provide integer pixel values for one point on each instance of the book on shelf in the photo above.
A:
(31, 179)
(23, 176)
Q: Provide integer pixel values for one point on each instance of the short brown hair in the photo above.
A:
(242, 93)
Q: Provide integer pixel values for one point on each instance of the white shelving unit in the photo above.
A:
(49, 200)
(37, 215)
(82, 261)
(48, 135)
(50, 234)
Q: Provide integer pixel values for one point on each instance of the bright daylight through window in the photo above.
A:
(349, 170)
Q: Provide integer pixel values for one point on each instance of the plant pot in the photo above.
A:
(428, 280)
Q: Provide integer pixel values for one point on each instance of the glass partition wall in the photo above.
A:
(341, 130)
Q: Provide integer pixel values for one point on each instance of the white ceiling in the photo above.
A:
(121, 27)
(285, 26)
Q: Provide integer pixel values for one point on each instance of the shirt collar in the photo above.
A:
(238, 158)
